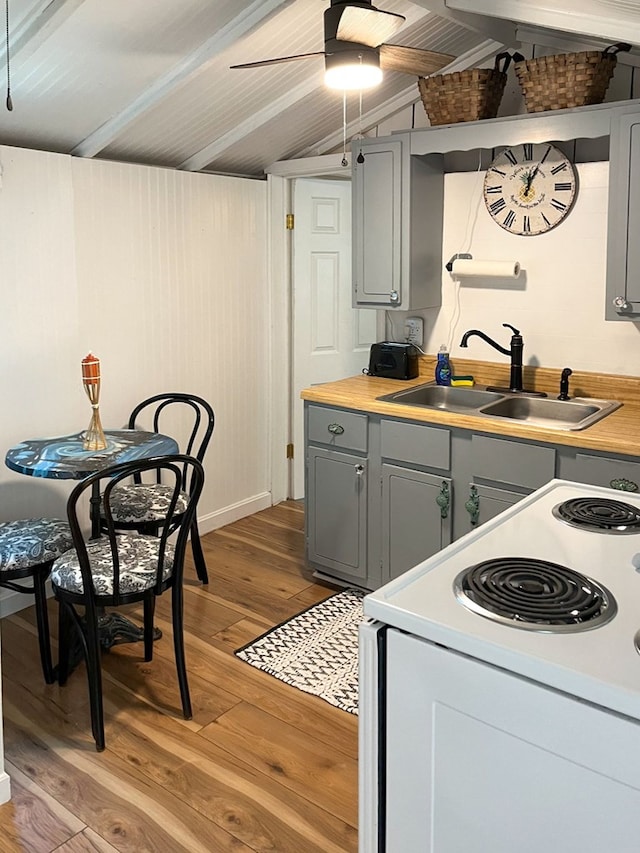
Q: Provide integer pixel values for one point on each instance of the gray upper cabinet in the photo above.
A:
(398, 199)
(397, 226)
(623, 247)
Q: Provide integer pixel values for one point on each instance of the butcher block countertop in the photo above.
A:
(617, 433)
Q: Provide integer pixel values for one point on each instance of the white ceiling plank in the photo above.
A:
(201, 158)
(470, 59)
(43, 20)
(607, 19)
(492, 27)
(191, 64)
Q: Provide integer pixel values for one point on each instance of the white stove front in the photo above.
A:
(483, 737)
(600, 665)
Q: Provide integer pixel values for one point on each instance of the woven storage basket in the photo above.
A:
(464, 95)
(567, 80)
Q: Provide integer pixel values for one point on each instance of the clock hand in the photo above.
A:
(530, 178)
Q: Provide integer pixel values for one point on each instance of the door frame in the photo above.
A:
(280, 177)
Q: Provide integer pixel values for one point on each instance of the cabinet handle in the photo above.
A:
(394, 296)
(623, 484)
(359, 469)
(336, 429)
(472, 505)
(443, 499)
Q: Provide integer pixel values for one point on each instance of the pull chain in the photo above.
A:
(344, 128)
(360, 157)
(8, 102)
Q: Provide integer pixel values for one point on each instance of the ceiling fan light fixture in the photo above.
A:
(353, 69)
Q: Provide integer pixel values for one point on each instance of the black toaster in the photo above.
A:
(393, 361)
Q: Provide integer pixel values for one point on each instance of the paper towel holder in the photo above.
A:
(449, 265)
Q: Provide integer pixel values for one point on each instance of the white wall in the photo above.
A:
(162, 274)
(557, 302)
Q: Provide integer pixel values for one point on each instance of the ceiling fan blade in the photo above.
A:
(412, 60)
(262, 62)
(367, 26)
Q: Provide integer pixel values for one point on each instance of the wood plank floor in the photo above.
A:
(260, 767)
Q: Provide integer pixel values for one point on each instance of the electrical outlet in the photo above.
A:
(414, 331)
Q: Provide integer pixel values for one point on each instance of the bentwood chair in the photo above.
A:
(139, 506)
(122, 567)
(28, 548)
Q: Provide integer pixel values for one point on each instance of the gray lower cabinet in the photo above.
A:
(336, 443)
(336, 513)
(383, 494)
(497, 472)
(416, 518)
(599, 469)
(485, 502)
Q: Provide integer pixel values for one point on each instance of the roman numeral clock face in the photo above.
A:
(530, 188)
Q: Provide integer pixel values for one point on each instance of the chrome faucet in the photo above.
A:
(515, 353)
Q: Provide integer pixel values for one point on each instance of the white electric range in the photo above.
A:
(500, 686)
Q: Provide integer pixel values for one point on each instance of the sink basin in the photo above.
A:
(444, 397)
(547, 412)
(553, 414)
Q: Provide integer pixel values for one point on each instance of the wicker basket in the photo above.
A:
(567, 80)
(464, 95)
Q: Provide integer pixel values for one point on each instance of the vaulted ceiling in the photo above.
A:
(148, 81)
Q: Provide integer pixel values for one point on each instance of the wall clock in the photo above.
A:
(530, 188)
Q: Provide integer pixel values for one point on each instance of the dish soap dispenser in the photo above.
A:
(443, 367)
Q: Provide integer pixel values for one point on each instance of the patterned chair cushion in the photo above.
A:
(137, 503)
(32, 541)
(138, 565)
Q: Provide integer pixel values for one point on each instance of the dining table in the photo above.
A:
(65, 458)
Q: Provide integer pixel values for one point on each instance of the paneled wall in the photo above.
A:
(162, 274)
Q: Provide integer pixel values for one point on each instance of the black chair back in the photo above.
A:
(200, 417)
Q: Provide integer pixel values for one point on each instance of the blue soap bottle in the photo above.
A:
(443, 368)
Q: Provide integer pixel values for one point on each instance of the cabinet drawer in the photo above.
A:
(512, 462)
(420, 445)
(337, 428)
(601, 471)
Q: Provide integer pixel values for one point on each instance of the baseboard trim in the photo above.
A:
(234, 512)
(5, 787)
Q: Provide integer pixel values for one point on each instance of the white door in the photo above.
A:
(331, 339)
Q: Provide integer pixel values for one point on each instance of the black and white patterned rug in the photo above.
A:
(315, 651)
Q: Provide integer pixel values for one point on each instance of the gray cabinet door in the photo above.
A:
(623, 247)
(414, 525)
(377, 224)
(484, 503)
(337, 513)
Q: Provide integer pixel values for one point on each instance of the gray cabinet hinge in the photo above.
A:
(290, 221)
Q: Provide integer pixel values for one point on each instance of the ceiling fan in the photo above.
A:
(356, 50)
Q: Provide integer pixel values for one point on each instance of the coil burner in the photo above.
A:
(535, 595)
(599, 515)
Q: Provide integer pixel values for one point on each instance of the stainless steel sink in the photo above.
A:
(445, 397)
(573, 414)
(547, 412)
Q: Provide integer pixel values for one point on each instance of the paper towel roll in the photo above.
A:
(485, 269)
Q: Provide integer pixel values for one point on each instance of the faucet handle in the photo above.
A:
(513, 328)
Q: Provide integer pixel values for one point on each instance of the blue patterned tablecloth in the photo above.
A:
(64, 458)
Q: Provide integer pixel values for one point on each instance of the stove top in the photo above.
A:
(600, 515)
(536, 595)
(445, 599)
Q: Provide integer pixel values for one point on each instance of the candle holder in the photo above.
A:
(94, 436)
